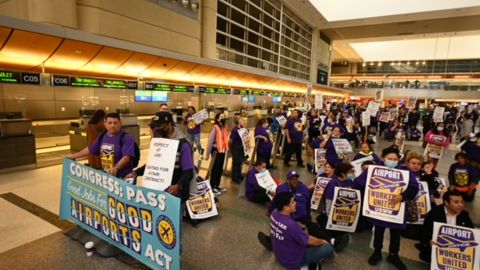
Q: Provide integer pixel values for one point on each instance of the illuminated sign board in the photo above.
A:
(169, 87)
(19, 77)
(242, 92)
(212, 90)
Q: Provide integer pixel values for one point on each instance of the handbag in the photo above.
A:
(411, 211)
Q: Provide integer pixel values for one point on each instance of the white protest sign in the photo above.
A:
(266, 181)
(455, 247)
(161, 162)
(379, 95)
(384, 117)
(365, 119)
(320, 160)
(345, 211)
(470, 108)
(434, 151)
(423, 202)
(357, 164)
(412, 101)
(438, 114)
(318, 192)
(342, 146)
(200, 116)
(373, 108)
(243, 133)
(382, 184)
(201, 204)
(319, 101)
(282, 120)
(393, 113)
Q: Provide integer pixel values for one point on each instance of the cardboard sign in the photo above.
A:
(434, 151)
(379, 95)
(393, 113)
(345, 211)
(382, 183)
(318, 192)
(282, 120)
(357, 164)
(412, 101)
(319, 101)
(365, 119)
(423, 202)
(455, 247)
(243, 133)
(320, 160)
(141, 222)
(400, 140)
(384, 117)
(160, 164)
(342, 146)
(266, 181)
(438, 114)
(201, 204)
(200, 116)
(372, 108)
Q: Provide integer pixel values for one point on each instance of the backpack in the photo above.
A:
(134, 160)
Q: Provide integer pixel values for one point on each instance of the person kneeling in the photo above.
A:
(292, 245)
(253, 191)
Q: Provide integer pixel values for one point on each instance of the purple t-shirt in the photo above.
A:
(264, 147)
(289, 241)
(251, 183)
(295, 130)
(110, 153)
(303, 197)
(335, 182)
(192, 127)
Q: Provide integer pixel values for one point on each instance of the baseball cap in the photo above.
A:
(161, 118)
(292, 174)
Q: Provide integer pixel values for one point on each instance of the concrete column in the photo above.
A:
(314, 55)
(209, 28)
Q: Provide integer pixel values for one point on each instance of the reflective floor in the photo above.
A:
(32, 236)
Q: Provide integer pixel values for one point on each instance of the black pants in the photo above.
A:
(259, 197)
(293, 147)
(394, 239)
(238, 157)
(265, 158)
(217, 169)
(314, 229)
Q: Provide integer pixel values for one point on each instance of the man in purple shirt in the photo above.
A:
(115, 148)
(294, 135)
(292, 245)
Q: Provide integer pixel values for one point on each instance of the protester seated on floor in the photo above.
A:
(450, 212)
(253, 191)
(328, 172)
(291, 242)
(463, 177)
(303, 197)
(330, 153)
(367, 151)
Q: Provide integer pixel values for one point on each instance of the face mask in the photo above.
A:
(440, 128)
(263, 170)
(473, 139)
(391, 164)
(350, 177)
(223, 121)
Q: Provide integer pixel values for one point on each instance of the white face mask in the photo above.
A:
(440, 128)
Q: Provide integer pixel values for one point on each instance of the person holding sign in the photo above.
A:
(328, 145)
(115, 147)
(451, 212)
(438, 135)
(294, 135)
(163, 126)
(391, 156)
(262, 136)
(238, 148)
(291, 243)
(217, 146)
(367, 151)
(253, 191)
(463, 177)
(193, 129)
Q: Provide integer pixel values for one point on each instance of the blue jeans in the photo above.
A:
(195, 139)
(317, 254)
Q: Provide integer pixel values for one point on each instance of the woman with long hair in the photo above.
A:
(217, 146)
(193, 129)
(94, 128)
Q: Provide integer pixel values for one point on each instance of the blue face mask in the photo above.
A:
(391, 164)
(350, 177)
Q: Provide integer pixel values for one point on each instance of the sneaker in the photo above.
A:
(222, 189)
(375, 258)
(395, 260)
(265, 240)
(216, 191)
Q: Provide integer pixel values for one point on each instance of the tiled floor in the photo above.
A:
(224, 242)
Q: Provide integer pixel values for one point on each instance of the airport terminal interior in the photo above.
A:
(332, 61)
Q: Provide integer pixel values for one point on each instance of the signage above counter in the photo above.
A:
(242, 92)
(213, 90)
(19, 77)
(61, 80)
(169, 87)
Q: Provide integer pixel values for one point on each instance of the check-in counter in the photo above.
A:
(17, 144)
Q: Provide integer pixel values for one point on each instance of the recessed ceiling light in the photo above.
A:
(78, 51)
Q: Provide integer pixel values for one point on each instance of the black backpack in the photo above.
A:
(134, 160)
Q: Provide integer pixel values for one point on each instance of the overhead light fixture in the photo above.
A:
(408, 63)
(416, 63)
(424, 63)
(379, 64)
(364, 64)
